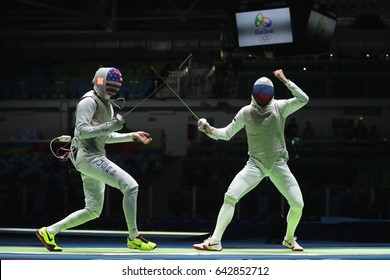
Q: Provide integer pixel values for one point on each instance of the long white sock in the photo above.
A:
(76, 218)
(293, 217)
(225, 216)
(129, 204)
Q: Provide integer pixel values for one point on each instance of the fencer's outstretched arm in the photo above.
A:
(141, 136)
(84, 113)
(225, 133)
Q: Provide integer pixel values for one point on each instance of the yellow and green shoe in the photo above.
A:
(140, 243)
(47, 239)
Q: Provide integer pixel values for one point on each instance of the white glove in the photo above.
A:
(116, 123)
(206, 128)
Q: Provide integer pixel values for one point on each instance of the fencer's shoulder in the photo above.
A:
(278, 103)
(245, 109)
(87, 100)
(90, 96)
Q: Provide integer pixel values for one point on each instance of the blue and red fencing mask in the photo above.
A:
(263, 91)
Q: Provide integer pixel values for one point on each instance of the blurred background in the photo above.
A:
(336, 51)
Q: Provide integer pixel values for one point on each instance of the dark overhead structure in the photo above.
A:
(204, 25)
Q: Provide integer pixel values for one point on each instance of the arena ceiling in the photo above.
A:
(113, 15)
(21, 16)
(361, 24)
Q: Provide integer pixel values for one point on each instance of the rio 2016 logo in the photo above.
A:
(263, 29)
(263, 21)
(321, 25)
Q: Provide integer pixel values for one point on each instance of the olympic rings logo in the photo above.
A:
(264, 38)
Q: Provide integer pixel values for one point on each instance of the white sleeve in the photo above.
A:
(85, 110)
(299, 100)
(227, 132)
(116, 137)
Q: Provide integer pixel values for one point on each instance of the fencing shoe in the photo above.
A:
(292, 244)
(208, 245)
(48, 240)
(140, 243)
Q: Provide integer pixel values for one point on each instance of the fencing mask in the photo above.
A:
(263, 91)
(107, 82)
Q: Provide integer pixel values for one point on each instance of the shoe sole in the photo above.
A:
(296, 250)
(48, 247)
(138, 248)
(293, 249)
(206, 249)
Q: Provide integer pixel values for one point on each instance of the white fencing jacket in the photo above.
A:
(265, 126)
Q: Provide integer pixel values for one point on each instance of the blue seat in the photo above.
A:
(77, 88)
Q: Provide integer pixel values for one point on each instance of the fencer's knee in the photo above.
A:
(94, 213)
(230, 200)
(130, 190)
(298, 205)
(295, 202)
(128, 186)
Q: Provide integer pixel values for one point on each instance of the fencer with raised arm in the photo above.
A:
(264, 122)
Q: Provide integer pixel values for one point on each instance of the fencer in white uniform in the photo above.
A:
(264, 121)
(95, 126)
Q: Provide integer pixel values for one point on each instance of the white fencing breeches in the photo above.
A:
(97, 171)
(247, 179)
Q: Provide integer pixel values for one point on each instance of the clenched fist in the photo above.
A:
(280, 75)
